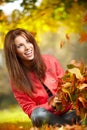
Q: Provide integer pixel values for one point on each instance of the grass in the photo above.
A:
(14, 119)
(13, 115)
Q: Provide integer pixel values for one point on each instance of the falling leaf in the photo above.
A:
(83, 37)
(62, 44)
(67, 37)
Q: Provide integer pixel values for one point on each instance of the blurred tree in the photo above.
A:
(28, 4)
(47, 16)
(58, 12)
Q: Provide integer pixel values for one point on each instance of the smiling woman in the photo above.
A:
(35, 78)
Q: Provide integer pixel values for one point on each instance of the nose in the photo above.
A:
(26, 47)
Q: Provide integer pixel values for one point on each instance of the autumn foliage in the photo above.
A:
(73, 89)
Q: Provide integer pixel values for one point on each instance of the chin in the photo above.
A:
(31, 58)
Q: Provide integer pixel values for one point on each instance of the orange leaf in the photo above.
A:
(83, 37)
(83, 101)
(62, 44)
(67, 37)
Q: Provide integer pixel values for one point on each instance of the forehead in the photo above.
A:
(20, 38)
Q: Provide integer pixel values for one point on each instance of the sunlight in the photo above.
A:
(9, 7)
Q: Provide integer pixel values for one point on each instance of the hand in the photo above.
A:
(56, 101)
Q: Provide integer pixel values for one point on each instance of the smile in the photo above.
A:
(28, 53)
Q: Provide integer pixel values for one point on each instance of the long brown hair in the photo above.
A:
(14, 65)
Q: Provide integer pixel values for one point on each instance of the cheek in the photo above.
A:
(20, 50)
(19, 53)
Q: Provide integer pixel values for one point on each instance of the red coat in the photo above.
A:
(40, 99)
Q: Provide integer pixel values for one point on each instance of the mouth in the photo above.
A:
(28, 53)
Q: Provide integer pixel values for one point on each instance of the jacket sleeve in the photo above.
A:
(59, 69)
(27, 103)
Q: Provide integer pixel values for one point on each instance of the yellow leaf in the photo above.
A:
(67, 85)
(82, 86)
(76, 71)
(66, 91)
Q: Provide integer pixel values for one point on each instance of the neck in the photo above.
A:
(29, 66)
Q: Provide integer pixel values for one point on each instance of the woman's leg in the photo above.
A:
(72, 117)
(41, 116)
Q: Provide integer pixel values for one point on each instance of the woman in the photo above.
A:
(34, 79)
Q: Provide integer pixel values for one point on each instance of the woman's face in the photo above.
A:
(25, 49)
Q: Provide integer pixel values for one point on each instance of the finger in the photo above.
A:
(56, 100)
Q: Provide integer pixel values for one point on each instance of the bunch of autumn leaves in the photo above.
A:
(73, 88)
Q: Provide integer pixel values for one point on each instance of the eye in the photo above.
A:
(20, 45)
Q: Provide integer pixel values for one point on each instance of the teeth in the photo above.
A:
(29, 52)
